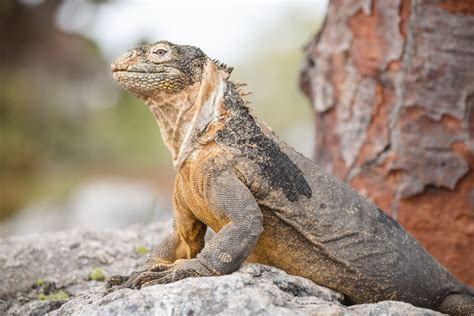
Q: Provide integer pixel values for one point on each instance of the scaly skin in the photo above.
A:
(266, 202)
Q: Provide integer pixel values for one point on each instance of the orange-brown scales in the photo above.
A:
(265, 202)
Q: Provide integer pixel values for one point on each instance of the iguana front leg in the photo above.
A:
(228, 198)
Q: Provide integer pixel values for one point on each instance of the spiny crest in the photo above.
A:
(239, 87)
(223, 66)
(243, 94)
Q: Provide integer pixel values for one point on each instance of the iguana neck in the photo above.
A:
(182, 117)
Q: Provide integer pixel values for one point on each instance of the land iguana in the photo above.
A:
(265, 202)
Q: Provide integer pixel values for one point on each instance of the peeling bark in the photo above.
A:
(392, 85)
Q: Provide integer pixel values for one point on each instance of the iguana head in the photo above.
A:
(183, 88)
(160, 69)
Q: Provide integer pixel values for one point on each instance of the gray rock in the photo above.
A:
(63, 260)
(45, 264)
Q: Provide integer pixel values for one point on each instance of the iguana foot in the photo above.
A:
(159, 273)
(167, 273)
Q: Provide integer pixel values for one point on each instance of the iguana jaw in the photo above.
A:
(146, 84)
(184, 116)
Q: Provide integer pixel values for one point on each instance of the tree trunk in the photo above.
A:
(392, 86)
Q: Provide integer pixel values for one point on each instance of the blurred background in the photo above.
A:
(77, 151)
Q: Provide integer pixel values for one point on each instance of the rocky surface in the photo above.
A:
(48, 263)
(62, 273)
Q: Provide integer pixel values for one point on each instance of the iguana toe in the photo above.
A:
(154, 277)
(158, 267)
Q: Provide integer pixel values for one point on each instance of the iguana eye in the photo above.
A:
(160, 52)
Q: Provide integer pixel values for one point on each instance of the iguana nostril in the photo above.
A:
(117, 66)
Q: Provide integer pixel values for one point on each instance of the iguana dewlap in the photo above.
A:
(266, 202)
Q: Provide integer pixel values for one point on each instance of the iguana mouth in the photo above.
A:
(137, 71)
(127, 68)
